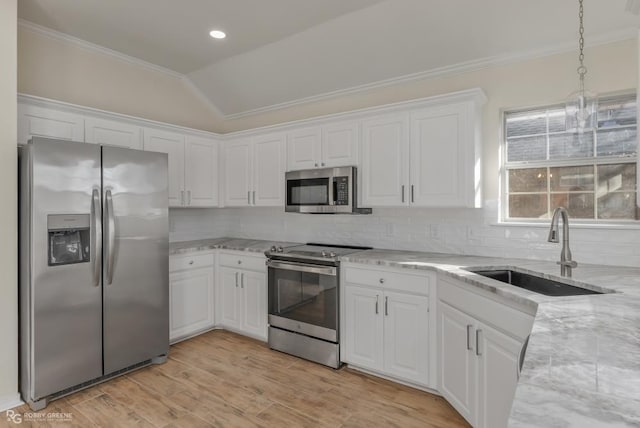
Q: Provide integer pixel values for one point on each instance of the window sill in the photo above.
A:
(574, 225)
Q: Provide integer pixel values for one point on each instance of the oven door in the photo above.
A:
(303, 298)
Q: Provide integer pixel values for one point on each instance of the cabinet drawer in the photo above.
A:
(190, 261)
(390, 279)
(243, 261)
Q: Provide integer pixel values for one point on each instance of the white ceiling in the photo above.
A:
(281, 51)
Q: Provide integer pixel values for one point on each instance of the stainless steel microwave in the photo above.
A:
(323, 191)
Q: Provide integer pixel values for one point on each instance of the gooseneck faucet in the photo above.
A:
(566, 264)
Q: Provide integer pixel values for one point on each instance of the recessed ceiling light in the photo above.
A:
(217, 34)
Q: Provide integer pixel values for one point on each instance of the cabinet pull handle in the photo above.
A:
(191, 262)
(386, 306)
(236, 279)
(248, 197)
(412, 198)
(402, 191)
(376, 304)
(322, 163)
(182, 197)
(242, 280)
(381, 280)
(478, 332)
(469, 347)
(188, 197)
(254, 197)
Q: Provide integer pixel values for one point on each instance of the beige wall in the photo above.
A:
(66, 71)
(551, 79)
(8, 196)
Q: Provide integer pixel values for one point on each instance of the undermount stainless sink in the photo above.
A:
(534, 283)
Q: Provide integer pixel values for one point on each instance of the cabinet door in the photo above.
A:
(201, 172)
(268, 171)
(385, 171)
(303, 149)
(254, 303)
(191, 302)
(36, 121)
(497, 376)
(229, 298)
(440, 151)
(237, 175)
(340, 144)
(457, 360)
(112, 133)
(363, 327)
(173, 145)
(406, 337)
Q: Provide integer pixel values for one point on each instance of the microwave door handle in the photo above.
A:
(333, 191)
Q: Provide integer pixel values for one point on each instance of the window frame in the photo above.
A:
(505, 166)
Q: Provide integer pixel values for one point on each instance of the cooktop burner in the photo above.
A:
(314, 251)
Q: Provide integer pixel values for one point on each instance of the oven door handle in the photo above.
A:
(302, 267)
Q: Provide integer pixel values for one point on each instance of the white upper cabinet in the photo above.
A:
(237, 176)
(268, 170)
(340, 144)
(201, 172)
(385, 151)
(112, 133)
(254, 171)
(173, 145)
(427, 157)
(36, 121)
(303, 149)
(328, 146)
(442, 156)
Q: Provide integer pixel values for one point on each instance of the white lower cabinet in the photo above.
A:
(191, 295)
(387, 331)
(479, 363)
(242, 294)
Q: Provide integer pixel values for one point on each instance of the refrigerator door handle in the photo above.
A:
(111, 236)
(96, 214)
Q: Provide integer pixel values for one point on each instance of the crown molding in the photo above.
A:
(463, 67)
(57, 35)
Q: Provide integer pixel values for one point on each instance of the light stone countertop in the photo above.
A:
(582, 365)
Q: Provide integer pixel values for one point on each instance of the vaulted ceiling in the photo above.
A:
(280, 52)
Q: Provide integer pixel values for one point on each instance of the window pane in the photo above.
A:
(557, 120)
(617, 112)
(528, 180)
(617, 142)
(527, 149)
(616, 177)
(618, 205)
(526, 123)
(571, 178)
(579, 205)
(528, 206)
(571, 145)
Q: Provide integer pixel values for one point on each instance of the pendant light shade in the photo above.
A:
(581, 106)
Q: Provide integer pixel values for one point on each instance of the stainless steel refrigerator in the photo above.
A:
(94, 265)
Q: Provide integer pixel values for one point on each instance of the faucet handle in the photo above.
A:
(568, 263)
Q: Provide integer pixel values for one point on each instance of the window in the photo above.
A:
(592, 174)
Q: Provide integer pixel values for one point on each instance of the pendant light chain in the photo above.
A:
(582, 70)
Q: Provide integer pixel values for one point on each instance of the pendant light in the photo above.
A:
(581, 106)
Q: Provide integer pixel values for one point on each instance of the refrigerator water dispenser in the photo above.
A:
(69, 239)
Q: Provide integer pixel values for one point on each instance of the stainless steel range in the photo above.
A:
(304, 286)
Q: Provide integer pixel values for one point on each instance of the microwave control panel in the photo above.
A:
(341, 190)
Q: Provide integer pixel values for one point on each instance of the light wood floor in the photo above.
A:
(221, 379)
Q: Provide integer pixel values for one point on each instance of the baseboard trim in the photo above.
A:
(10, 401)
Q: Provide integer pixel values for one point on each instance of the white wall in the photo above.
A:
(8, 218)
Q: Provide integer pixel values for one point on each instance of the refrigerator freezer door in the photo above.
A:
(136, 257)
(61, 302)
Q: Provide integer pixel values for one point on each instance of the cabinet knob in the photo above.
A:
(191, 262)
(322, 163)
(381, 280)
(239, 262)
(316, 164)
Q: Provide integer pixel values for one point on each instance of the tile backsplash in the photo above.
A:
(459, 231)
